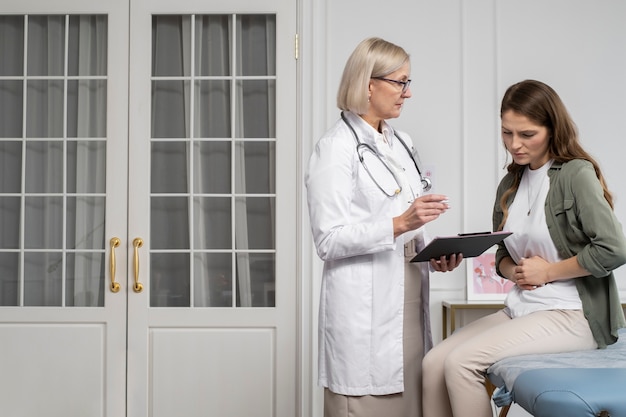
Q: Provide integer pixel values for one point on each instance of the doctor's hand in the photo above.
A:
(424, 209)
(446, 265)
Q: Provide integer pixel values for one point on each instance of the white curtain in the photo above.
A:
(211, 119)
(258, 29)
(65, 154)
(90, 122)
(70, 112)
(43, 270)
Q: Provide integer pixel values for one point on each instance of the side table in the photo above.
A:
(453, 306)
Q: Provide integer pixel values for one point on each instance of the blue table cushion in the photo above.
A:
(568, 384)
(572, 392)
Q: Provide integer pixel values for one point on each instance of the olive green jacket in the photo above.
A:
(581, 222)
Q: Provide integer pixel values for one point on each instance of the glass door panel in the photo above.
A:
(213, 161)
(53, 154)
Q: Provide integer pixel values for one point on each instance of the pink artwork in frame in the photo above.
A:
(483, 283)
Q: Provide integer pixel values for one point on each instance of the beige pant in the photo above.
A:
(454, 370)
(407, 403)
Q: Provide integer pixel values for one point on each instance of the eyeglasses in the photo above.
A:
(404, 84)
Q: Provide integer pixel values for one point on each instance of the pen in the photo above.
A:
(442, 201)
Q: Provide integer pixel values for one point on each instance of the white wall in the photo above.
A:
(464, 55)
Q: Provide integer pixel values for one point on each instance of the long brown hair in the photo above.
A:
(542, 105)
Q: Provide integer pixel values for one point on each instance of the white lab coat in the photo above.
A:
(362, 294)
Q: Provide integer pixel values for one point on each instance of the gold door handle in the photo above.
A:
(137, 243)
(115, 286)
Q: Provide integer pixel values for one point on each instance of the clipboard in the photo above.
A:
(469, 244)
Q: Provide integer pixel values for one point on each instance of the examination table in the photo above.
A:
(575, 384)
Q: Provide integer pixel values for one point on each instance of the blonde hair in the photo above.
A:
(373, 57)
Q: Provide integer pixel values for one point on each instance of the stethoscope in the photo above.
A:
(364, 147)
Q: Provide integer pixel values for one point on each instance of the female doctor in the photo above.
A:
(367, 210)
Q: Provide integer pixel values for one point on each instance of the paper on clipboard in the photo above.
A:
(469, 244)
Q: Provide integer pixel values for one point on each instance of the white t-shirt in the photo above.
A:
(527, 221)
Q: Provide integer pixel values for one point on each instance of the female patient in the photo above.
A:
(566, 242)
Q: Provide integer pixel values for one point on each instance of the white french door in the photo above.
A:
(147, 208)
(63, 199)
(212, 197)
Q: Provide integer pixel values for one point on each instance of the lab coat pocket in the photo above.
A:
(376, 173)
(375, 188)
(348, 294)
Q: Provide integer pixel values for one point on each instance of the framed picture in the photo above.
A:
(482, 281)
